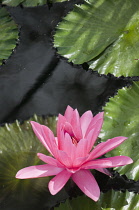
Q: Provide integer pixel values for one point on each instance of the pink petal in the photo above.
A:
(61, 138)
(81, 149)
(119, 161)
(50, 140)
(37, 128)
(69, 147)
(49, 160)
(64, 159)
(61, 119)
(60, 123)
(38, 171)
(98, 117)
(56, 140)
(58, 182)
(79, 161)
(65, 130)
(99, 163)
(75, 122)
(87, 183)
(85, 120)
(115, 162)
(93, 134)
(66, 145)
(105, 147)
(104, 171)
(68, 128)
(69, 114)
(85, 145)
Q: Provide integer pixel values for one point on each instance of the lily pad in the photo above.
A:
(8, 34)
(28, 3)
(106, 31)
(18, 149)
(121, 58)
(108, 201)
(122, 119)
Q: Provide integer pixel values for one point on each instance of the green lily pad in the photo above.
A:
(121, 58)
(108, 201)
(121, 118)
(8, 34)
(28, 3)
(18, 149)
(106, 31)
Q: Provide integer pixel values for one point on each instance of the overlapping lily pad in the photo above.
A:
(18, 149)
(108, 201)
(8, 34)
(28, 3)
(122, 119)
(105, 31)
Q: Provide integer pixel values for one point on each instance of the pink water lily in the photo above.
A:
(74, 153)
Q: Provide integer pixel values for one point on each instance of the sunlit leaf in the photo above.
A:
(122, 119)
(108, 201)
(8, 34)
(121, 58)
(18, 149)
(105, 31)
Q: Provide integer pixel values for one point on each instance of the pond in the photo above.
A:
(59, 54)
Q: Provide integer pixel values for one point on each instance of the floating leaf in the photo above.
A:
(107, 29)
(121, 58)
(122, 119)
(8, 34)
(108, 201)
(28, 3)
(18, 149)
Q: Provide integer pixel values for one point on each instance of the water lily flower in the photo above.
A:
(73, 153)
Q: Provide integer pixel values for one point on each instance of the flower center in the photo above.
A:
(74, 141)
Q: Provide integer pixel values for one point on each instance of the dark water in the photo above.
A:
(36, 80)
